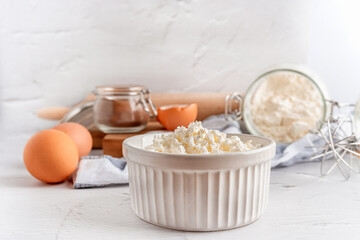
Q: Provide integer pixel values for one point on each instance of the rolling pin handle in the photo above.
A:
(231, 100)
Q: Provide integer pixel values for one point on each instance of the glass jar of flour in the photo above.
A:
(282, 104)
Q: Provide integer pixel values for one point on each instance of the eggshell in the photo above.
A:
(51, 156)
(79, 134)
(172, 116)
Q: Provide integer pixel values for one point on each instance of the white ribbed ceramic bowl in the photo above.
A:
(199, 192)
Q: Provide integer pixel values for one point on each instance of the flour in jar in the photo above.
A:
(285, 106)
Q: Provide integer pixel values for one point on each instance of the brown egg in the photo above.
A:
(51, 156)
(79, 134)
(172, 116)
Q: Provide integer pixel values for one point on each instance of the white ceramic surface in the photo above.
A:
(199, 192)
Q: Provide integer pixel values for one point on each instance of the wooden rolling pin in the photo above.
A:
(210, 103)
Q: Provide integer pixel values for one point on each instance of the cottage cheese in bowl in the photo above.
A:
(198, 140)
(195, 179)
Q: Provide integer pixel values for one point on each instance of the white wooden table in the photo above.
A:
(301, 206)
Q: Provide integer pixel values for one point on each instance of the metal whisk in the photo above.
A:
(340, 144)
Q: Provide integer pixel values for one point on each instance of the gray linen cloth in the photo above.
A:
(98, 171)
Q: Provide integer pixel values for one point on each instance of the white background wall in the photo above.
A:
(55, 52)
(334, 46)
